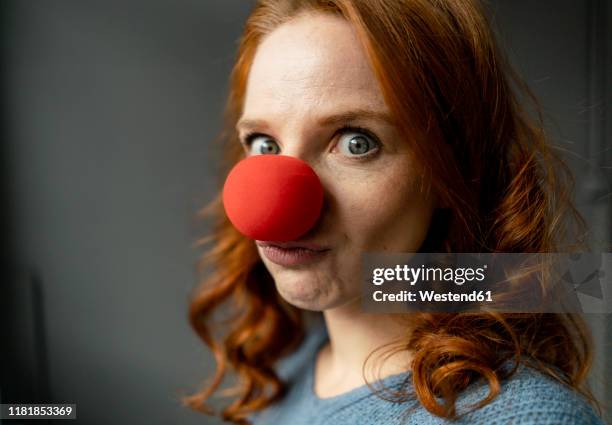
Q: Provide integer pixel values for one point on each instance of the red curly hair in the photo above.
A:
(488, 159)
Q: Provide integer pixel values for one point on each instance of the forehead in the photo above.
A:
(314, 60)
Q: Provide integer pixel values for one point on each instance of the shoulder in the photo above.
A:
(530, 397)
(294, 370)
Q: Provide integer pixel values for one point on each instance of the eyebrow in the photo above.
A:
(342, 117)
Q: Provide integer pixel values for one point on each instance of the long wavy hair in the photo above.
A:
(479, 132)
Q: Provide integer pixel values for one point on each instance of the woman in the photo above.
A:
(405, 110)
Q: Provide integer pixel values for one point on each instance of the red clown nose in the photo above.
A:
(272, 197)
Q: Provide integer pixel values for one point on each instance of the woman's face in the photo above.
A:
(311, 94)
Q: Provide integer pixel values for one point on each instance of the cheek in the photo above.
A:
(389, 213)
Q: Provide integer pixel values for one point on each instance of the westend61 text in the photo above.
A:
(429, 296)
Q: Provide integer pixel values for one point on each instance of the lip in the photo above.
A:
(293, 244)
(292, 254)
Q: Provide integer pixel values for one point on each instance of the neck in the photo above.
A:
(353, 336)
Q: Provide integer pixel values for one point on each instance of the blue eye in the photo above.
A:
(355, 143)
(262, 145)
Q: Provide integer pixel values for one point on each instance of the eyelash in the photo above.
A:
(249, 137)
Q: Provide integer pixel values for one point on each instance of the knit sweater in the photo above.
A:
(527, 398)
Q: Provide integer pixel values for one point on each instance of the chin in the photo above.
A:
(304, 293)
(300, 294)
(310, 296)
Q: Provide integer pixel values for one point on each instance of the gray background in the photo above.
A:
(110, 107)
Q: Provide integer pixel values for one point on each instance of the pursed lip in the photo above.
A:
(293, 244)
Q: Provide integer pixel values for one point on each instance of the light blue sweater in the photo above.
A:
(527, 398)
